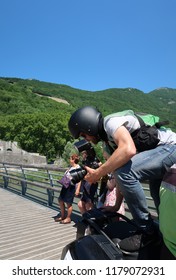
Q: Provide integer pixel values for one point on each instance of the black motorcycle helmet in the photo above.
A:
(85, 120)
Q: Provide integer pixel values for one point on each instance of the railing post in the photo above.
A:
(49, 191)
(5, 178)
(50, 197)
(23, 187)
(6, 182)
(23, 183)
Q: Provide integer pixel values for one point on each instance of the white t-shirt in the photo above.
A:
(131, 123)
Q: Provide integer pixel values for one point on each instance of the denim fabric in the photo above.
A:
(148, 165)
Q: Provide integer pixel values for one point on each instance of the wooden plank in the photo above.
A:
(28, 231)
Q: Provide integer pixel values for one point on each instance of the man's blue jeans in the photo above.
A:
(148, 165)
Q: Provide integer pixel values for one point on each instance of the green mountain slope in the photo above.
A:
(29, 115)
(30, 96)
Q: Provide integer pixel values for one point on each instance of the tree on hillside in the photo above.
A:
(45, 134)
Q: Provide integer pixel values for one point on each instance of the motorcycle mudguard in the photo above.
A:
(92, 247)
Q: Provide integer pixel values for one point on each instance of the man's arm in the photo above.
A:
(125, 151)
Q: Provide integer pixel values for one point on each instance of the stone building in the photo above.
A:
(11, 153)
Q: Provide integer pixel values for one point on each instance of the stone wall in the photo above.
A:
(10, 152)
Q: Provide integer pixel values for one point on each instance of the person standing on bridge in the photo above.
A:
(128, 163)
(67, 193)
(89, 191)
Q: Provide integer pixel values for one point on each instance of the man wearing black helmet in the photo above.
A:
(129, 165)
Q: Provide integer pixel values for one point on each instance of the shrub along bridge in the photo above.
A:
(28, 204)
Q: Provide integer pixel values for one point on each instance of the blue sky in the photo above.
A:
(90, 44)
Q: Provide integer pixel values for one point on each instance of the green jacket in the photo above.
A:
(167, 209)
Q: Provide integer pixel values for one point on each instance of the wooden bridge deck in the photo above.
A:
(28, 231)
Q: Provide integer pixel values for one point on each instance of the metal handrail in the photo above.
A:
(40, 183)
(36, 182)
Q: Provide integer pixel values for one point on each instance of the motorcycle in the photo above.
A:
(99, 235)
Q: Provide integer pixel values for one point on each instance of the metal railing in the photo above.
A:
(35, 182)
(39, 183)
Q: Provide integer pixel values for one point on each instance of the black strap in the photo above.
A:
(162, 123)
(140, 120)
(101, 131)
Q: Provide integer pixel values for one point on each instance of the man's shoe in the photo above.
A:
(137, 241)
